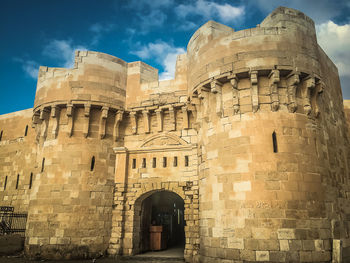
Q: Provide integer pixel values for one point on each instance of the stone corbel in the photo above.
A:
(308, 85)
(235, 94)
(87, 108)
(146, 121)
(292, 80)
(318, 90)
(69, 113)
(185, 120)
(172, 119)
(103, 120)
(44, 116)
(254, 85)
(274, 79)
(35, 118)
(133, 122)
(216, 88)
(55, 117)
(118, 119)
(159, 113)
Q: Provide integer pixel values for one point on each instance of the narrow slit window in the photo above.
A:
(143, 162)
(26, 131)
(0, 135)
(92, 166)
(175, 161)
(17, 181)
(43, 164)
(186, 160)
(5, 183)
(30, 180)
(164, 161)
(274, 142)
(154, 162)
(133, 163)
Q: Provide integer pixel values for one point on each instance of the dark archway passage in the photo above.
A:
(163, 209)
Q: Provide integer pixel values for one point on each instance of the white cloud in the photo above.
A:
(98, 29)
(30, 67)
(62, 51)
(319, 10)
(210, 10)
(335, 40)
(162, 53)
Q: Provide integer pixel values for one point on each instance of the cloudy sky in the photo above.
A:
(42, 32)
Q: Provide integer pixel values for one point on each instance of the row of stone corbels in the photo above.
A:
(311, 87)
(183, 108)
(48, 113)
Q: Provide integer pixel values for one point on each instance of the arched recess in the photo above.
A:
(130, 244)
(159, 208)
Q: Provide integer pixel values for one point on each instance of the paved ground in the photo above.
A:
(172, 255)
(102, 260)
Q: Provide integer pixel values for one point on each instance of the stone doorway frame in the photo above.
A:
(123, 236)
(137, 224)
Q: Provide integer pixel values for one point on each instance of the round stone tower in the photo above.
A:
(76, 115)
(272, 137)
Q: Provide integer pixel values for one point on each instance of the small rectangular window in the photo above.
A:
(17, 181)
(154, 162)
(42, 165)
(175, 161)
(164, 161)
(186, 160)
(26, 131)
(143, 162)
(274, 142)
(5, 183)
(92, 165)
(30, 180)
(0, 135)
(133, 163)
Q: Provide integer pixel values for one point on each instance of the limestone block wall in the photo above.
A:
(95, 77)
(272, 188)
(18, 163)
(70, 205)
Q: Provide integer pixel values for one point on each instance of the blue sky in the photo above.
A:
(42, 32)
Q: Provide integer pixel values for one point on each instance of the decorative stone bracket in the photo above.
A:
(69, 113)
(235, 94)
(55, 117)
(118, 119)
(292, 81)
(274, 79)
(216, 88)
(103, 120)
(87, 108)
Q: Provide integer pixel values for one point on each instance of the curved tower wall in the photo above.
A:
(260, 201)
(76, 117)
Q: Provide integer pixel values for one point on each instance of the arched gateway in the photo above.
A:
(156, 185)
(159, 222)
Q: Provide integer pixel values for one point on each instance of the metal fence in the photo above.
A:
(11, 222)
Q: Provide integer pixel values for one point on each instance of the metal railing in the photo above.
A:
(11, 222)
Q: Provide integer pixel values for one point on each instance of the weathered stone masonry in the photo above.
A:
(251, 134)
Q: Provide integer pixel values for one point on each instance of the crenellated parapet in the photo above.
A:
(257, 90)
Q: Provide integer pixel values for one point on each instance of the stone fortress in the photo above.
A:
(245, 151)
